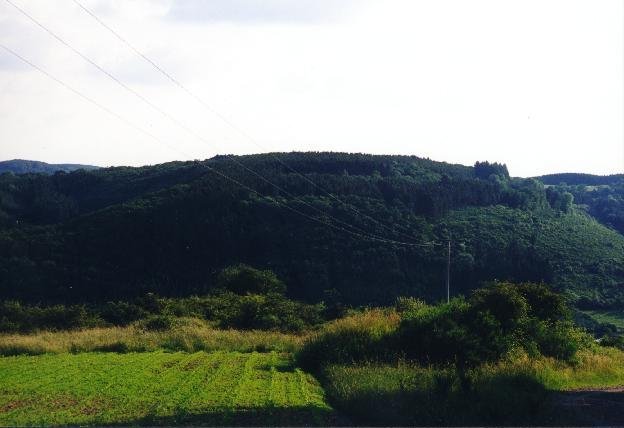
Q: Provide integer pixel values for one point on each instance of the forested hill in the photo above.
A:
(602, 196)
(20, 166)
(118, 232)
(581, 179)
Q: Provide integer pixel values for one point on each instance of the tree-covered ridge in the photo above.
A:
(601, 196)
(424, 186)
(20, 166)
(573, 178)
(121, 232)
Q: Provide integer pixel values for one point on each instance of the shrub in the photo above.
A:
(464, 332)
(503, 302)
(151, 303)
(560, 340)
(544, 303)
(452, 333)
(271, 311)
(242, 279)
(366, 336)
(17, 317)
(614, 341)
(122, 313)
(489, 324)
(408, 304)
(157, 323)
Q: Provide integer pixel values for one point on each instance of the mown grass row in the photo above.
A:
(188, 335)
(218, 388)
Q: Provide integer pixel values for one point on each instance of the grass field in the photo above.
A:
(224, 388)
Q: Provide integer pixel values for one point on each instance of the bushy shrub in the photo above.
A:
(558, 339)
(270, 311)
(15, 317)
(464, 332)
(60, 317)
(491, 322)
(122, 313)
(157, 323)
(453, 333)
(543, 303)
(408, 304)
(503, 302)
(616, 341)
(366, 336)
(242, 279)
(150, 302)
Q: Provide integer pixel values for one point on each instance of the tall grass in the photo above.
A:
(515, 391)
(189, 335)
(597, 367)
(355, 338)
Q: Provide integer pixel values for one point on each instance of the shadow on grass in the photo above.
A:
(590, 408)
(500, 400)
(269, 416)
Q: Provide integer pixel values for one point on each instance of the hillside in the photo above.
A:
(20, 166)
(600, 196)
(571, 178)
(120, 232)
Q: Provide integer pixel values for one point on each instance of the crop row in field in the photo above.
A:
(223, 388)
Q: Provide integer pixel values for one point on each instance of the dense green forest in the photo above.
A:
(118, 233)
(600, 196)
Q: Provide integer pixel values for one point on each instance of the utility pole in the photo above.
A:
(448, 273)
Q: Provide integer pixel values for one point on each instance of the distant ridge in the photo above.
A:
(21, 166)
(574, 179)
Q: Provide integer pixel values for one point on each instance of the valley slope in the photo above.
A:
(120, 232)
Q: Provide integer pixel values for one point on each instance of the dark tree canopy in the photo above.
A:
(121, 232)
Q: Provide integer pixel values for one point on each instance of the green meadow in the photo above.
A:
(159, 388)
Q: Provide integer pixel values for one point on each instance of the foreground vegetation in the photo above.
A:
(499, 357)
(517, 391)
(157, 388)
(507, 354)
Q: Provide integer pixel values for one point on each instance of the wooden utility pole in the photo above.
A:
(448, 273)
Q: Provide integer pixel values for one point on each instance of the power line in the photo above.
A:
(194, 134)
(190, 131)
(228, 121)
(85, 97)
(214, 170)
(448, 272)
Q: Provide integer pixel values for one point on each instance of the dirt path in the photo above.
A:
(600, 406)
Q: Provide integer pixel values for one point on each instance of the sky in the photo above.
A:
(536, 84)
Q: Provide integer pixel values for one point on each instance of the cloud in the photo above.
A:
(258, 11)
(447, 79)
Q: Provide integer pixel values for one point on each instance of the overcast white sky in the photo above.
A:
(538, 84)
